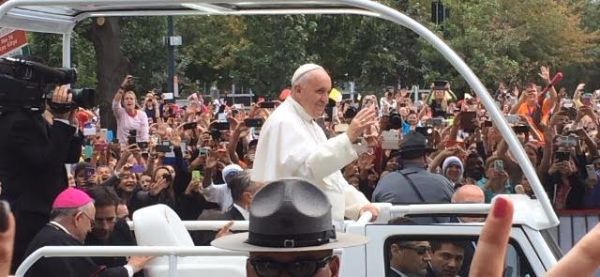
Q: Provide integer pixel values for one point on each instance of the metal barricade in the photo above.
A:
(173, 252)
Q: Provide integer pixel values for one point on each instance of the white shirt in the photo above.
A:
(125, 123)
(291, 144)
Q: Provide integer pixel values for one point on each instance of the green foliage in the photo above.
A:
(501, 40)
(144, 46)
(276, 45)
(48, 47)
(507, 40)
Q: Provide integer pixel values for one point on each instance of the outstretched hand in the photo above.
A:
(544, 73)
(363, 119)
(582, 260)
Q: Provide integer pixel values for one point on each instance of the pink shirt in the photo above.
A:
(125, 123)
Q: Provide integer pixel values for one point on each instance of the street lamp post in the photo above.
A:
(172, 42)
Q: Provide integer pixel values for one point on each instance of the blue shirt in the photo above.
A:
(489, 193)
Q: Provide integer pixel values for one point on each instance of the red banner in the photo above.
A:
(11, 41)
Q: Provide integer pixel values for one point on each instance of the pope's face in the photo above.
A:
(313, 92)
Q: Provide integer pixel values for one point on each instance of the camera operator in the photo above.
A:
(35, 147)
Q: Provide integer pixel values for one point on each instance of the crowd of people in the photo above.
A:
(208, 158)
(174, 154)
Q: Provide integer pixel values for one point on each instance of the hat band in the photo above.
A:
(291, 241)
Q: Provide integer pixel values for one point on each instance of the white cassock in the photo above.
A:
(291, 144)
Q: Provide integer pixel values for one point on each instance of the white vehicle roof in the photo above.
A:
(61, 16)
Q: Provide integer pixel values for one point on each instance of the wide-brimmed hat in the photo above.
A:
(289, 215)
(413, 145)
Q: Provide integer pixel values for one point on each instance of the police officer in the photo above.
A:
(413, 184)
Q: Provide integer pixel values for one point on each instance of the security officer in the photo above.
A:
(413, 184)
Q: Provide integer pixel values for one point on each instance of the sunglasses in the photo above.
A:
(298, 268)
(421, 250)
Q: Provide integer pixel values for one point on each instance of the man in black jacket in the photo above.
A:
(35, 147)
(108, 230)
(242, 191)
(72, 217)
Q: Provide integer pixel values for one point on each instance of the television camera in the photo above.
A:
(27, 85)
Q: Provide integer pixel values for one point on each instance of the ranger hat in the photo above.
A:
(290, 215)
(413, 145)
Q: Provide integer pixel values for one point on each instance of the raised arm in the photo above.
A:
(545, 74)
(521, 101)
(437, 160)
(577, 95)
(116, 104)
(299, 159)
(239, 132)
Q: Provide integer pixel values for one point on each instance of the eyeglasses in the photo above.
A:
(421, 250)
(299, 268)
(92, 221)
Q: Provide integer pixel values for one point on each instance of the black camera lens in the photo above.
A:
(215, 133)
(83, 97)
(32, 85)
(395, 121)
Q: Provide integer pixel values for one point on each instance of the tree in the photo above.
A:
(500, 40)
(111, 63)
(509, 39)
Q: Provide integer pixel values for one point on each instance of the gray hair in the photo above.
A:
(64, 212)
(240, 183)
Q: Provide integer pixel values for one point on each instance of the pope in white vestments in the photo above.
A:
(291, 144)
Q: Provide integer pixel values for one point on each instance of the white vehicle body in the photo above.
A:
(532, 251)
(61, 16)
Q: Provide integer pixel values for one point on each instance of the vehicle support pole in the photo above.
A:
(172, 265)
(66, 50)
(171, 56)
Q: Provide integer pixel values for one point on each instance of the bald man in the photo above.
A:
(469, 194)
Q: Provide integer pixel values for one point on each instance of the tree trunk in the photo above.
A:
(111, 65)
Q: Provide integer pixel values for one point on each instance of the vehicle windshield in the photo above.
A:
(444, 256)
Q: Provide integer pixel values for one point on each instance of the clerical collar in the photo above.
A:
(59, 226)
(303, 114)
